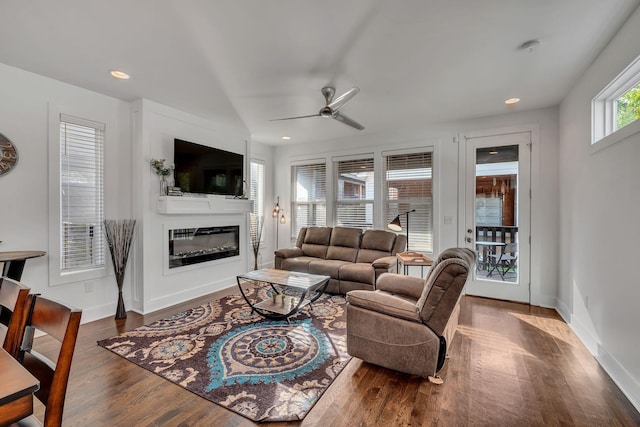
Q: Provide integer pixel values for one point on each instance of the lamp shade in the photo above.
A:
(395, 224)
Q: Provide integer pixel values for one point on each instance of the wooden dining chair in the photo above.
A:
(61, 323)
(13, 296)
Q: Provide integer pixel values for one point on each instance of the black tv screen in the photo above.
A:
(207, 170)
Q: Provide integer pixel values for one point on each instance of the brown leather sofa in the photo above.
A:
(352, 258)
(407, 323)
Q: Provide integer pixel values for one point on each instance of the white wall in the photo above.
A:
(543, 123)
(599, 211)
(25, 101)
(155, 126)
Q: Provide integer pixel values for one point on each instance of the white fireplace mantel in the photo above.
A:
(206, 204)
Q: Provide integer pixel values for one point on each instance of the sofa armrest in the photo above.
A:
(398, 284)
(288, 252)
(385, 303)
(386, 262)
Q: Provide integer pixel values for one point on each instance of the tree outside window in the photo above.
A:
(628, 107)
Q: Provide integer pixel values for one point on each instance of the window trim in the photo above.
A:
(264, 192)
(603, 114)
(56, 275)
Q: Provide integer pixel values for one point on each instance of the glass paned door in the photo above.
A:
(497, 215)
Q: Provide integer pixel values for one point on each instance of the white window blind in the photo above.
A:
(81, 194)
(408, 185)
(309, 196)
(256, 193)
(354, 190)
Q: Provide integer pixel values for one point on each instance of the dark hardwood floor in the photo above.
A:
(510, 365)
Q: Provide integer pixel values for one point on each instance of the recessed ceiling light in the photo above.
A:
(119, 74)
(286, 138)
(512, 101)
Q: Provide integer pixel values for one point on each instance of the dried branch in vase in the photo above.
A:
(119, 233)
(257, 222)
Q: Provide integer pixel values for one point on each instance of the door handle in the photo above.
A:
(469, 231)
(469, 240)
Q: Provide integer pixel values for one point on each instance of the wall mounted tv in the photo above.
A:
(207, 170)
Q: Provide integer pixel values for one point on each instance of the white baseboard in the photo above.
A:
(99, 312)
(588, 339)
(619, 375)
(188, 294)
(628, 385)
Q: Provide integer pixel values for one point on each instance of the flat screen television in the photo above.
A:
(207, 170)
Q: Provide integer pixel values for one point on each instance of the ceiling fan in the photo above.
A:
(330, 110)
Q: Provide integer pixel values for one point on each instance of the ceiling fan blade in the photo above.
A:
(347, 120)
(297, 117)
(342, 99)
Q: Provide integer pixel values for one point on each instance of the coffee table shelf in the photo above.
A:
(307, 287)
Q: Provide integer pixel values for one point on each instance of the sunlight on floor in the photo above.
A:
(554, 327)
(492, 340)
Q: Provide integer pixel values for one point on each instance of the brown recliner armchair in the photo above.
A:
(407, 322)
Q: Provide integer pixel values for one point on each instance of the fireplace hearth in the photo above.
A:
(188, 246)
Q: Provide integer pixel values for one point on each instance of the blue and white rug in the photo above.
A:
(264, 370)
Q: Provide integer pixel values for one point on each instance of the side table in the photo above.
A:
(409, 259)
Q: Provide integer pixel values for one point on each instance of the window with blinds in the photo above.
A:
(309, 199)
(81, 194)
(408, 185)
(354, 193)
(256, 193)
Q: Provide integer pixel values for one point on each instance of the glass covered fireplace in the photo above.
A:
(195, 245)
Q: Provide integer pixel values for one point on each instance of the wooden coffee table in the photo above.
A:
(301, 290)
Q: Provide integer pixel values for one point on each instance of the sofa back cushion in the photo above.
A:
(375, 244)
(344, 244)
(316, 241)
(301, 235)
(443, 288)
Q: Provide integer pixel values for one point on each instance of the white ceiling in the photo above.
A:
(249, 61)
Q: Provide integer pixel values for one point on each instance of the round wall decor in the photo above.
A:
(8, 155)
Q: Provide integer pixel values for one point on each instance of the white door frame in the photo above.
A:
(463, 199)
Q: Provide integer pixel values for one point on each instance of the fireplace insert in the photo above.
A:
(189, 246)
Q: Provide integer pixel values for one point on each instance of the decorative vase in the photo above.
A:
(119, 235)
(163, 185)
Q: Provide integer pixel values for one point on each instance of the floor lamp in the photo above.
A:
(395, 225)
(278, 212)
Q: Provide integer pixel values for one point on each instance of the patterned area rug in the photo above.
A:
(263, 370)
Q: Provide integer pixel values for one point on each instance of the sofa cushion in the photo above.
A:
(344, 243)
(328, 267)
(300, 263)
(358, 272)
(318, 235)
(316, 242)
(346, 236)
(375, 244)
(383, 302)
(347, 286)
(379, 240)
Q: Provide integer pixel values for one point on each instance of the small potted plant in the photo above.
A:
(162, 170)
